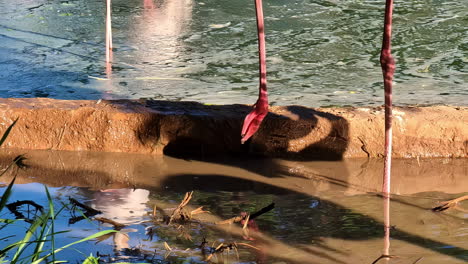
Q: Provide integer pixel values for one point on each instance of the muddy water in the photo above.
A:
(325, 212)
(320, 53)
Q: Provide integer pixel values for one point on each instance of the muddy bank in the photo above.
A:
(193, 129)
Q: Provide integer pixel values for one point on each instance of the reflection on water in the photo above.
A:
(324, 218)
(320, 53)
(123, 205)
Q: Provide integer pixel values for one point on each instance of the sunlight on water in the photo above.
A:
(319, 53)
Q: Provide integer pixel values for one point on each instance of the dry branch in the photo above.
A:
(180, 214)
(384, 257)
(449, 204)
(13, 207)
(117, 226)
(240, 218)
(88, 209)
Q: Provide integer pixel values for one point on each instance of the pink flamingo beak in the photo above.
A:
(254, 119)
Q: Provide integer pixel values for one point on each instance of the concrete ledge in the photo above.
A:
(189, 128)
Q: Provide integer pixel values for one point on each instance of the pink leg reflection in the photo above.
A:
(148, 4)
(386, 206)
(252, 233)
(108, 32)
(108, 70)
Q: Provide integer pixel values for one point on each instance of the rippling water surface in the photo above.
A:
(319, 53)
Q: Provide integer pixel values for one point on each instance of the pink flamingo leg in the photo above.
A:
(255, 117)
(388, 68)
(108, 32)
(148, 4)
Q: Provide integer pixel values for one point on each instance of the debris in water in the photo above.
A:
(84, 206)
(117, 226)
(449, 204)
(13, 207)
(89, 211)
(246, 216)
(166, 246)
(179, 214)
(384, 257)
(218, 26)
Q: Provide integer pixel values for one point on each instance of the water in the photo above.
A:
(320, 53)
(325, 212)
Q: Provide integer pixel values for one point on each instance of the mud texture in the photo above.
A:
(192, 129)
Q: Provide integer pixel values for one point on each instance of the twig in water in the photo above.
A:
(199, 210)
(236, 219)
(166, 246)
(154, 211)
(449, 204)
(88, 209)
(384, 257)
(246, 221)
(13, 207)
(117, 226)
(179, 214)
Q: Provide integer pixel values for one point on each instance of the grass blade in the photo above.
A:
(52, 217)
(40, 221)
(105, 232)
(6, 195)
(91, 260)
(7, 132)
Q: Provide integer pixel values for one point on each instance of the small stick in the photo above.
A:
(248, 245)
(246, 222)
(236, 219)
(13, 206)
(117, 226)
(265, 209)
(449, 204)
(383, 257)
(179, 208)
(166, 246)
(199, 210)
(89, 209)
(231, 220)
